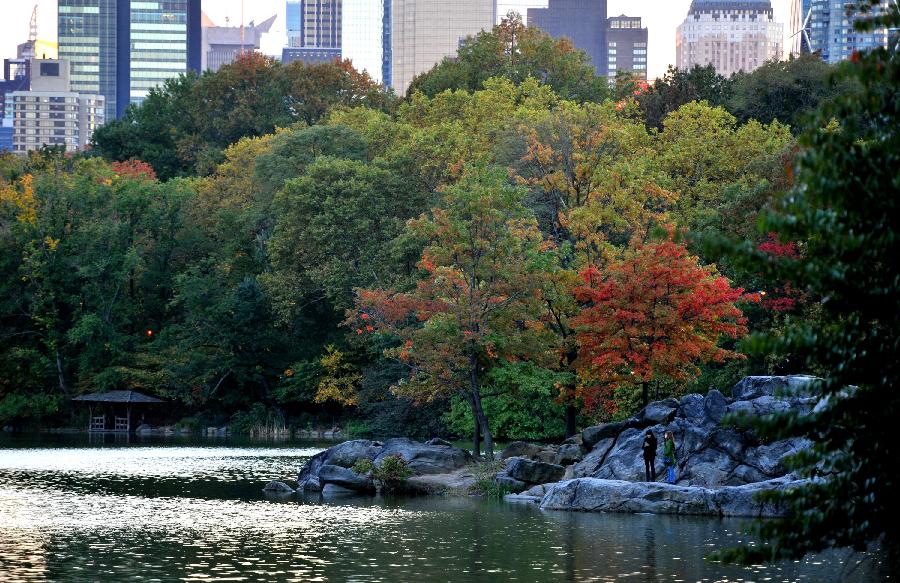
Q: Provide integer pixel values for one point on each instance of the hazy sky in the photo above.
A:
(660, 16)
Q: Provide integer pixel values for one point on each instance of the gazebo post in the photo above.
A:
(90, 417)
(128, 423)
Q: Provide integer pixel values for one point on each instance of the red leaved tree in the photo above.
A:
(653, 315)
(134, 169)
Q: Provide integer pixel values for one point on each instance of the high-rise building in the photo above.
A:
(313, 30)
(581, 21)
(730, 35)
(423, 32)
(51, 113)
(626, 46)
(223, 44)
(366, 37)
(123, 48)
(827, 28)
(800, 21)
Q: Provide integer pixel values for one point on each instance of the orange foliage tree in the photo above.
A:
(134, 169)
(653, 315)
(478, 301)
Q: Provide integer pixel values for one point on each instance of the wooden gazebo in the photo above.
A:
(111, 405)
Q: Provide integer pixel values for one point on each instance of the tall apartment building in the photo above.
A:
(730, 35)
(366, 37)
(223, 44)
(826, 27)
(51, 113)
(626, 46)
(123, 48)
(423, 32)
(313, 30)
(581, 21)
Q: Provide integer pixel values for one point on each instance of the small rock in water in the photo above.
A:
(276, 486)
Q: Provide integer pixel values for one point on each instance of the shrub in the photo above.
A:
(486, 483)
(389, 477)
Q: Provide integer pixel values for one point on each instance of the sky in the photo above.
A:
(660, 16)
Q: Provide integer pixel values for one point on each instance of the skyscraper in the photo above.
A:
(223, 44)
(50, 113)
(581, 21)
(730, 35)
(366, 37)
(122, 48)
(825, 27)
(801, 13)
(626, 46)
(423, 32)
(313, 30)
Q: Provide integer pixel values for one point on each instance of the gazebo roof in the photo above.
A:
(118, 397)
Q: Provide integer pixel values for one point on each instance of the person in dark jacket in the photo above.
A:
(649, 449)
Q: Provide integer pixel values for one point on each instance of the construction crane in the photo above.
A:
(32, 35)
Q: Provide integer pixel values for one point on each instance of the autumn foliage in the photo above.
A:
(653, 315)
(134, 169)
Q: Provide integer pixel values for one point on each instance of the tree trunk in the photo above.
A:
(481, 420)
(476, 436)
(571, 420)
(645, 394)
(61, 374)
(477, 409)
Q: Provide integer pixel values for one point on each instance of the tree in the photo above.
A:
(515, 52)
(652, 317)
(843, 213)
(183, 127)
(477, 304)
(679, 87)
(787, 91)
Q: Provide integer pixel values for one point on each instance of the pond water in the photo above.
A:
(189, 510)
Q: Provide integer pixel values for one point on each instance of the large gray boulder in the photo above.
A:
(531, 472)
(278, 487)
(425, 459)
(520, 449)
(568, 454)
(750, 388)
(659, 412)
(596, 495)
(343, 455)
(591, 436)
(345, 478)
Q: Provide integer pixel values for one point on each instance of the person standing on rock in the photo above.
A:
(669, 456)
(649, 449)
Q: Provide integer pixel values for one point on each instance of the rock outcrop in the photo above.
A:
(708, 454)
(333, 467)
(595, 495)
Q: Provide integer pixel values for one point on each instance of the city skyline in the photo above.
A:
(661, 21)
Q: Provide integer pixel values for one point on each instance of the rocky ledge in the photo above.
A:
(719, 468)
(436, 466)
(594, 495)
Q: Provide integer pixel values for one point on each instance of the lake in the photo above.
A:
(80, 509)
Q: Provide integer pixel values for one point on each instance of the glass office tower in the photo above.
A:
(831, 31)
(122, 48)
(313, 30)
(88, 40)
(581, 21)
(366, 37)
(158, 45)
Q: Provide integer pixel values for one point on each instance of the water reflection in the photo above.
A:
(197, 513)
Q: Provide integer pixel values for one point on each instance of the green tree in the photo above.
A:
(477, 303)
(678, 87)
(787, 91)
(843, 213)
(515, 52)
(183, 127)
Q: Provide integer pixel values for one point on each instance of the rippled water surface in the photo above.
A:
(72, 510)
